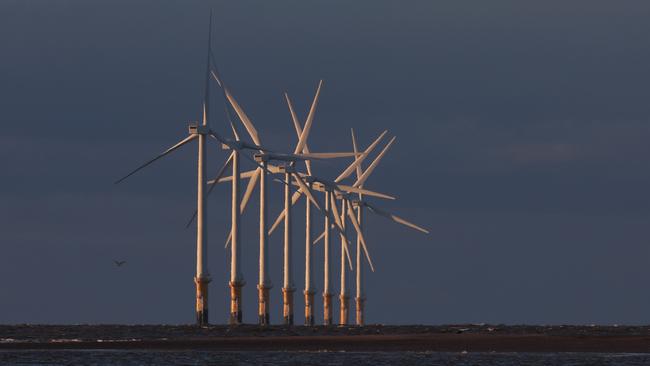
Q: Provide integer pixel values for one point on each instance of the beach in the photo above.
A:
(371, 338)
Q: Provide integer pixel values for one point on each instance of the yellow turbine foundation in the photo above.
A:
(201, 300)
(235, 303)
(361, 303)
(345, 307)
(309, 308)
(327, 309)
(287, 301)
(264, 305)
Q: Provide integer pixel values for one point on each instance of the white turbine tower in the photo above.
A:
(360, 294)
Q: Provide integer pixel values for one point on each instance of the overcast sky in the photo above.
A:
(522, 144)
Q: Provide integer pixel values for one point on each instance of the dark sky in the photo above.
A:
(522, 145)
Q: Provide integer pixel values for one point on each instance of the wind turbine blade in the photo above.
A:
(332, 155)
(215, 75)
(250, 128)
(305, 190)
(296, 125)
(360, 159)
(320, 237)
(294, 198)
(332, 216)
(212, 184)
(339, 227)
(249, 190)
(355, 223)
(395, 218)
(206, 93)
(356, 151)
(168, 151)
(244, 175)
(234, 146)
(373, 165)
(310, 119)
(349, 189)
(294, 116)
(234, 129)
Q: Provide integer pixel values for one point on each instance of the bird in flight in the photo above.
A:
(119, 263)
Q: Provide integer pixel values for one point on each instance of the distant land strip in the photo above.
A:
(454, 338)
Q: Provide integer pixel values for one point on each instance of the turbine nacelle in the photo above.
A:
(196, 128)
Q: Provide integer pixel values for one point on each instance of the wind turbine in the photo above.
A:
(199, 132)
(236, 276)
(346, 209)
(359, 203)
(309, 285)
(264, 284)
(308, 225)
(289, 201)
(288, 287)
(301, 147)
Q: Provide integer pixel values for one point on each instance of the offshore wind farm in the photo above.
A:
(367, 183)
(268, 165)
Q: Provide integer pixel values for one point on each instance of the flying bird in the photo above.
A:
(119, 263)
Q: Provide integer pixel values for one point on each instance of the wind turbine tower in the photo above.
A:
(264, 283)
(288, 287)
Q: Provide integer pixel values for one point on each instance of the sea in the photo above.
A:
(279, 358)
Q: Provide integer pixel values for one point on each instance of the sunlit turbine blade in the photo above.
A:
(244, 175)
(333, 155)
(374, 163)
(310, 119)
(296, 125)
(252, 183)
(249, 190)
(339, 227)
(351, 189)
(330, 215)
(320, 237)
(395, 218)
(294, 116)
(212, 184)
(355, 148)
(250, 128)
(294, 198)
(232, 145)
(234, 130)
(353, 218)
(305, 190)
(360, 159)
(168, 151)
(215, 75)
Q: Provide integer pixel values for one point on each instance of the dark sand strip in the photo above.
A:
(389, 343)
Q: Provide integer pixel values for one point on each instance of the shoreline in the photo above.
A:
(374, 338)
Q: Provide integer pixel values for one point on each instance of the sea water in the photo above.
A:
(192, 357)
